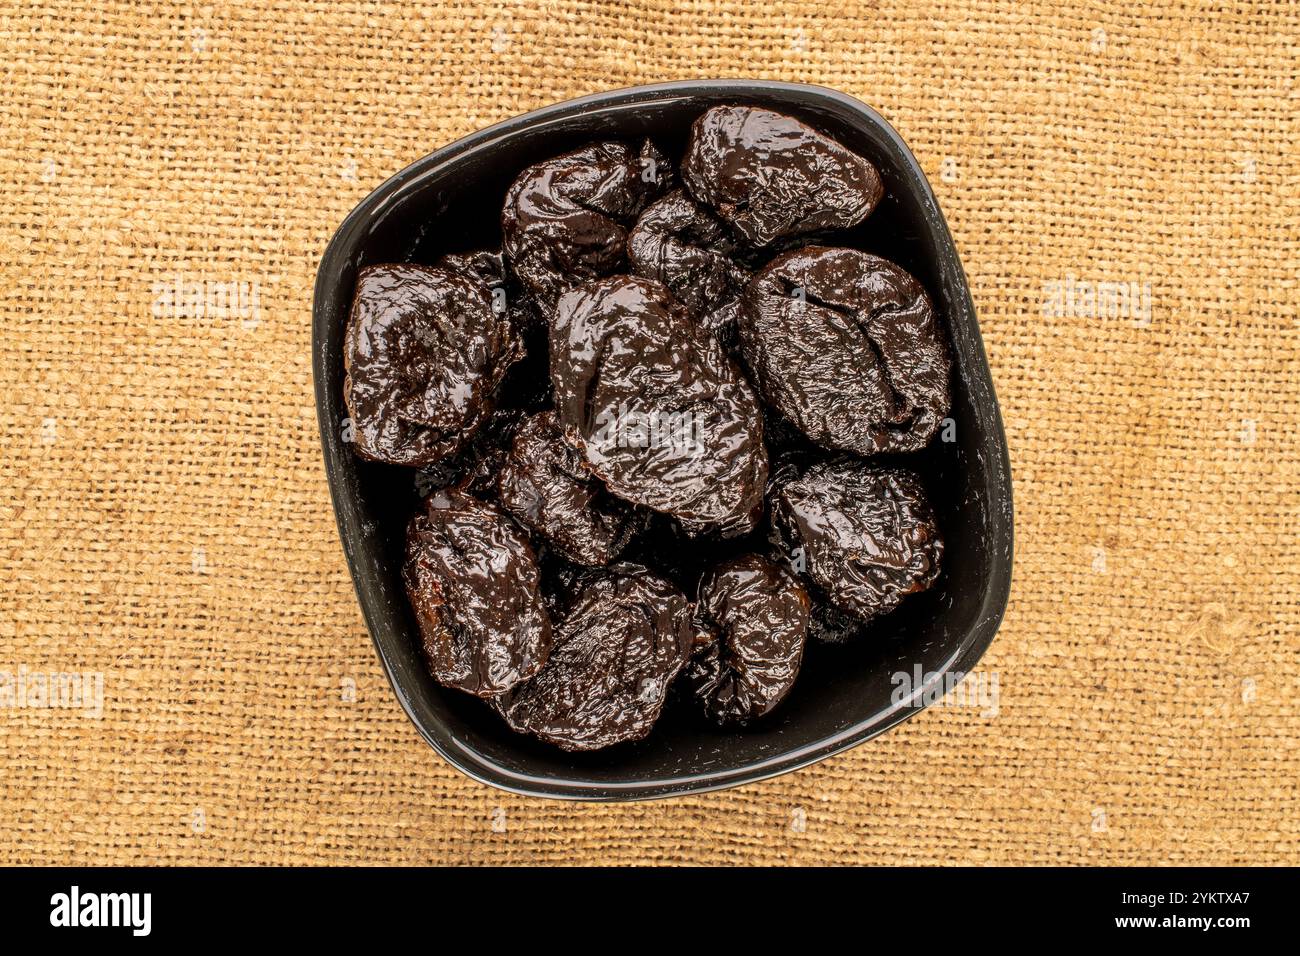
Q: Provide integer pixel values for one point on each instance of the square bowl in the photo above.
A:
(846, 693)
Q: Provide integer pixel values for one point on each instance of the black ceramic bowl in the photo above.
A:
(449, 201)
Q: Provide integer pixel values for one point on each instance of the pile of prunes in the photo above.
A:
(648, 429)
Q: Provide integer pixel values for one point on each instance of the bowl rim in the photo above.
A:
(997, 587)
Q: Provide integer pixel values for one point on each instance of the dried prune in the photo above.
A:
(487, 265)
(472, 580)
(846, 345)
(525, 384)
(758, 616)
(545, 485)
(617, 651)
(687, 248)
(768, 175)
(565, 220)
(865, 535)
(423, 354)
(661, 414)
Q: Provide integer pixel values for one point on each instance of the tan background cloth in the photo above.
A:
(165, 518)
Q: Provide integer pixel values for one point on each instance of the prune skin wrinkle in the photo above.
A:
(565, 220)
(846, 346)
(472, 580)
(757, 614)
(626, 637)
(721, 324)
(736, 527)
(546, 486)
(830, 625)
(868, 535)
(474, 467)
(489, 267)
(661, 415)
(486, 265)
(688, 249)
(769, 176)
(423, 354)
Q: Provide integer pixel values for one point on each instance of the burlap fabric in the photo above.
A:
(1122, 184)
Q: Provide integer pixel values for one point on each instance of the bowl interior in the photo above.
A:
(449, 202)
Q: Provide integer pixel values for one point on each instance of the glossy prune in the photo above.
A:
(846, 345)
(545, 485)
(423, 355)
(757, 614)
(472, 580)
(660, 413)
(617, 651)
(687, 248)
(866, 536)
(768, 175)
(565, 220)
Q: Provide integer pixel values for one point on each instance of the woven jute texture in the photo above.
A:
(1124, 186)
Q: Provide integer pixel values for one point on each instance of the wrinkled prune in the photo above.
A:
(758, 616)
(846, 345)
(688, 249)
(545, 485)
(423, 354)
(626, 637)
(660, 413)
(486, 265)
(565, 220)
(867, 535)
(769, 175)
(472, 581)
